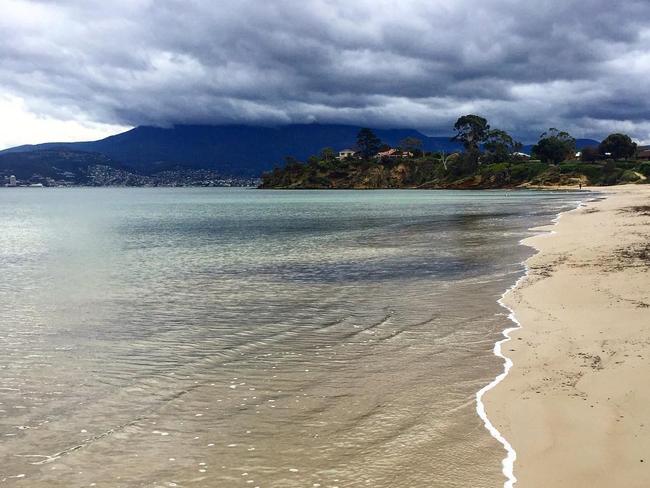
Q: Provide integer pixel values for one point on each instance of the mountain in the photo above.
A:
(234, 150)
(230, 149)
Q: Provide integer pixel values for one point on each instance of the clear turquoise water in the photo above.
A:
(234, 337)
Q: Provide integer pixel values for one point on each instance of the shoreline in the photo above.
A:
(515, 406)
(511, 455)
(551, 188)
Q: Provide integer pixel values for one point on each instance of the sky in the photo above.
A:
(85, 69)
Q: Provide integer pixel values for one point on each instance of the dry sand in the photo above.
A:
(576, 404)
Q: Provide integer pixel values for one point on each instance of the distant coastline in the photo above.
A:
(489, 158)
(328, 156)
(66, 168)
(428, 173)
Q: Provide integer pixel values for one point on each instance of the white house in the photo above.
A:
(345, 153)
(12, 181)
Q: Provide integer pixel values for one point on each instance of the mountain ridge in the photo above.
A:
(236, 150)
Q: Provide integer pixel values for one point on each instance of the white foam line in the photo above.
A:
(508, 463)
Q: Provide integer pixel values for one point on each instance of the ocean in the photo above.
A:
(244, 338)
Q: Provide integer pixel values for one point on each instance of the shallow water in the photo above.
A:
(233, 337)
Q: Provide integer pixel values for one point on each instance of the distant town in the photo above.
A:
(101, 175)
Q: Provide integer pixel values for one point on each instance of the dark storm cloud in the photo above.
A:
(579, 65)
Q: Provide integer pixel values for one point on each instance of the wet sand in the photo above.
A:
(576, 405)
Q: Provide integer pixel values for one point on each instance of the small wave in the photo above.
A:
(86, 442)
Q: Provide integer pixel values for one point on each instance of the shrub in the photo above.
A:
(612, 177)
(644, 169)
(317, 181)
(610, 166)
(594, 172)
(629, 176)
(493, 168)
(527, 171)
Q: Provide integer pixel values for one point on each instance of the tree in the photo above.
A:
(619, 146)
(327, 154)
(368, 143)
(445, 159)
(292, 165)
(412, 145)
(471, 131)
(589, 154)
(554, 146)
(500, 145)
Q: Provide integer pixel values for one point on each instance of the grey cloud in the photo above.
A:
(414, 63)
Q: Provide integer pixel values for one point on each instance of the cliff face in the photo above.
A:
(352, 174)
(425, 173)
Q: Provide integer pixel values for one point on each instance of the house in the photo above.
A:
(643, 152)
(345, 153)
(394, 153)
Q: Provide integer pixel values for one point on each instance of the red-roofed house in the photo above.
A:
(394, 153)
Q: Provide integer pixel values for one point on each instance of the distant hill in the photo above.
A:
(51, 163)
(235, 150)
(65, 167)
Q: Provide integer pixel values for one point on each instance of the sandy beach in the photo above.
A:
(576, 404)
